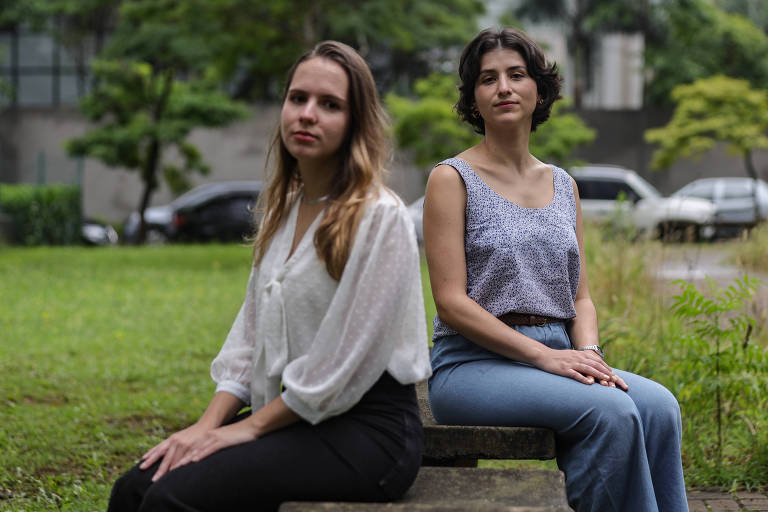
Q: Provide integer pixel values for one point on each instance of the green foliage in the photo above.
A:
(557, 139)
(428, 126)
(431, 130)
(711, 110)
(255, 42)
(752, 251)
(139, 107)
(42, 214)
(642, 334)
(151, 91)
(755, 10)
(727, 375)
(702, 40)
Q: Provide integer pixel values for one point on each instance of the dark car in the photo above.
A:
(221, 211)
(740, 202)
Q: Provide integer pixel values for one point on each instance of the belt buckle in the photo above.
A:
(541, 323)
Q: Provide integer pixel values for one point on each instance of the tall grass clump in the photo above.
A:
(709, 351)
(752, 253)
(725, 393)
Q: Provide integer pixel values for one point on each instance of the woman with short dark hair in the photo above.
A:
(516, 340)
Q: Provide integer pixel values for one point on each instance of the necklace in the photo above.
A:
(315, 201)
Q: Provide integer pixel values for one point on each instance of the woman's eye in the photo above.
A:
(517, 76)
(488, 80)
(331, 105)
(296, 98)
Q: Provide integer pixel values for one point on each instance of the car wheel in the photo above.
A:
(678, 232)
(156, 237)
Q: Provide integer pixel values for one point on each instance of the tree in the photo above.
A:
(401, 39)
(151, 91)
(428, 127)
(712, 110)
(755, 10)
(431, 130)
(584, 21)
(556, 140)
(701, 40)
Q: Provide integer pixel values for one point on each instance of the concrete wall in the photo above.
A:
(32, 151)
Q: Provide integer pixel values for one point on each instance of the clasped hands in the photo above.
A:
(194, 443)
(584, 366)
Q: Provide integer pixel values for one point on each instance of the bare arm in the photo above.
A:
(207, 435)
(583, 329)
(444, 208)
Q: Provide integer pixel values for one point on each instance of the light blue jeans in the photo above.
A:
(620, 451)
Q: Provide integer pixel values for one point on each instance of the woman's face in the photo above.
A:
(315, 114)
(505, 92)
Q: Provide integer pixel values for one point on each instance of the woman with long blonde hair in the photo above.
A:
(331, 336)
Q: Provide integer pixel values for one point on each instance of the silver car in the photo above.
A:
(739, 202)
(653, 215)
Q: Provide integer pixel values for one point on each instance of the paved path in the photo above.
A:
(706, 500)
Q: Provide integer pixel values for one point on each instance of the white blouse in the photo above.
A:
(329, 341)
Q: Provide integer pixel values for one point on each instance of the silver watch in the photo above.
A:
(596, 348)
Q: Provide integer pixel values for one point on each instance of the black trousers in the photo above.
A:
(370, 453)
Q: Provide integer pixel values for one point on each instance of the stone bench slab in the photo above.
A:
(446, 442)
(451, 442)
(466, 489)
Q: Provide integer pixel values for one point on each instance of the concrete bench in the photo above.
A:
(450, 445)
(464, 487)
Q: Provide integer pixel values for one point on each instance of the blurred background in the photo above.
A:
(136, 101)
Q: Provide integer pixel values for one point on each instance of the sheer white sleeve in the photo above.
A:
(377, 307)
(232, 369)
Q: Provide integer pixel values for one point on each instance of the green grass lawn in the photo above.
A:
(104, 352)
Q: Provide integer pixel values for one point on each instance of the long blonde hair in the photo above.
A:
(360, 169)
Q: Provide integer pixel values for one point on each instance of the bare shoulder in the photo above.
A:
(443, 176)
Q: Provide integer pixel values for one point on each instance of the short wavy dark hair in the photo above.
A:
(545, 74)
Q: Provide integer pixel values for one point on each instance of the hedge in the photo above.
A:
(42, 214)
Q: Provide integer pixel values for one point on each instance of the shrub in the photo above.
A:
(42, 214)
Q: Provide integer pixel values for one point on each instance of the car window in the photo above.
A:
(606, 190)
(702, 189)
(737, 190)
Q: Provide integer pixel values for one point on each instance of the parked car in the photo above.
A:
(214, 211)
(416, 211)
(670, 218)
(734, 200)
(94, 232)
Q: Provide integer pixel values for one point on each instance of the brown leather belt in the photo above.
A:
(521, 319)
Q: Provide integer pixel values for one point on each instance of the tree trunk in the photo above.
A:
(154, 152)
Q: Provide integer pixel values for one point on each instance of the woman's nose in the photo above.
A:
(308, 112)
(505, 86)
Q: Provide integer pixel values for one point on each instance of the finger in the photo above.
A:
(589, 370)
(152, 450)
(153, 455)
(165, 465)
(206, 451)
(592, 356)
(620, 383)
(584, 379)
